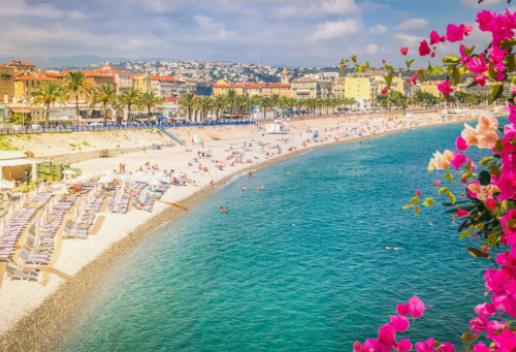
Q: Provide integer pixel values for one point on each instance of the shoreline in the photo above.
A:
(45, 326)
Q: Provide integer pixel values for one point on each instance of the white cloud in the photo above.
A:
(339, 7)
(413, 23)
(335, 29)
(19, 8)
(305, 8)
(211, 28)
(379, 29)
(372, 49)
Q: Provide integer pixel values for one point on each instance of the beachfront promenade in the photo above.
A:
(50, 234)
(113, 127)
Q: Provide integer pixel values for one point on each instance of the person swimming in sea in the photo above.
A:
(244, 189)
(223, 210)
(393, 248)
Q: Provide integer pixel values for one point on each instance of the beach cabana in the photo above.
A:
(15, 166)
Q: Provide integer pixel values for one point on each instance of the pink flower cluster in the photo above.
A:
(386, 339)
(501, 26)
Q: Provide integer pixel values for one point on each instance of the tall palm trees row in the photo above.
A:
(233, 105)
(75, 86)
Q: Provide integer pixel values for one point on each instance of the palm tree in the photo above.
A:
(219, 103)
(265, 103)
(75, 84)
(150, 100)
(47, 94)
(204, 104)
(130, 97)
(231, 99)
(187, 103)
(105, 94)
(244, 104)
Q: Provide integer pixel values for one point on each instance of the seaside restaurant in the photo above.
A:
(15, 166)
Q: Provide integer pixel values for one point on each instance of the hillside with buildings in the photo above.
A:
(169, 81)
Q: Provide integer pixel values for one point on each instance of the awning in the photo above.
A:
(19, 162)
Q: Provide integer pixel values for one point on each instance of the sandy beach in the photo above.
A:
(46, 310)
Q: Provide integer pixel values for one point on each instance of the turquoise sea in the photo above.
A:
(301, 266)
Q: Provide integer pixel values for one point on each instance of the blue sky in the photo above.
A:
(282, 32)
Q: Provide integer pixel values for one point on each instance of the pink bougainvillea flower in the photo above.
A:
(480, 347)
(477, 64)
(425, 346)
(499, 76)
(404, 345)
(435, 38)
(491, 203)
(484, 19)
(445, 87)
(413, 79)
(424, 48)
(461, 213)
(437, 183)
(458, 160)
(418, 193)
(485, 310)
(478, 324)
(414, 307)
(440, 161)
(460, 144)
(467, 30)
(386, 337)
(446, 347)
(399, 323)
(480, 80)
(404, 51)
(385, 91)
(455, 33)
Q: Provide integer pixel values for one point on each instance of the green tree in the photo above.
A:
(46, 95)
(187, 103)
(104, 95)
(75, 84)
(130, 98)
(219, 103)
(150, 100)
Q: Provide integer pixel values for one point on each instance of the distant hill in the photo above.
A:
(76, 61)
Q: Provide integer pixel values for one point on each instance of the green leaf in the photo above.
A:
(429, 202)
(442, 190)
(451, 197)
(496, 92)
(448, 176)
(477, 253)
(354, 58)
(485, 160)
(463, 235)
(409, 63)
(468, 337)
(507, 44)
(456, 76)
(388, 79)
(451, 59)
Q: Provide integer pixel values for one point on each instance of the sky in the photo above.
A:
(281, 32)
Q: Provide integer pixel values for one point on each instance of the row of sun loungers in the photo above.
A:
(13, 230)
(40, 244)
(81, 227)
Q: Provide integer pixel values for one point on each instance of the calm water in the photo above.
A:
(300, 266)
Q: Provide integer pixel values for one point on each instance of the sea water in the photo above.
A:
(317, 260)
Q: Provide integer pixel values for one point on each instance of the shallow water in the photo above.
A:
(299, 266)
